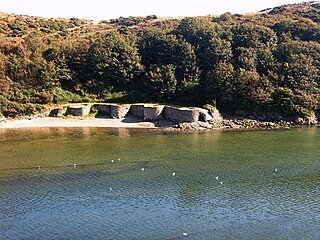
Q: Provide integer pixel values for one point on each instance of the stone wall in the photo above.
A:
(147, 112)
(78, 110)
(152, 113)
(119, 111)
(204, 115)
(103, 109)
(137, 110)
(57, 112)
(176, 114)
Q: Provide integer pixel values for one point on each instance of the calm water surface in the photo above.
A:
(103, 199)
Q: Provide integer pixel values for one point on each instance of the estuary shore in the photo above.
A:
(128, 122)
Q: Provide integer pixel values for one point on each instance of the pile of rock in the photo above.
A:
(250, 123)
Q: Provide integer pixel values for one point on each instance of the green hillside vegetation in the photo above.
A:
(259, 63)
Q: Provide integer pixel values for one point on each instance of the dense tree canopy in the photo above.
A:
(266, 62)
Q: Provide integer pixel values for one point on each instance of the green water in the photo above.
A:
(103, 199)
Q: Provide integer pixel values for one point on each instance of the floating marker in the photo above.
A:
(38, 167)
(74, 165)
(112, 160)
(142, 169)
(221, 182)
(110, 189)
(276, 170)
(185, 234)
(173, 174)
(217, 178)
(119, 159)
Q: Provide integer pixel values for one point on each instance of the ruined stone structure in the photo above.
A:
(103, 109)
(215, 114)
(119, 111)
(176, 114)
(137, 110)
(204, 115)
(78, 110)
(152, 113)
(201, 117)
(57, 112)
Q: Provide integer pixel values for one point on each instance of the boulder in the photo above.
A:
(311, 121)
(152, 113)
(119, 111)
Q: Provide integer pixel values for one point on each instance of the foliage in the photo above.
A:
(262, 62)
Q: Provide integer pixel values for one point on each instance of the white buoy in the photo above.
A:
(217, 178)
(276, 170)
(112, 160)
(39, 167)
(142, 169)
(221, 182)
(185, 234)
(110, 189)
(173, 174)
(74, 165)
(119, 159)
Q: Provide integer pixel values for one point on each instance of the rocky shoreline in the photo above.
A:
(244, 123)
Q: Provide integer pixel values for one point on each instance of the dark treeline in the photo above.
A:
(267, 62)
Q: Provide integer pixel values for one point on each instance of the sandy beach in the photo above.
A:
(128, 122)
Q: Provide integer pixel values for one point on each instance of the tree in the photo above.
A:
(302, 78)
(300, 29)
(115, 61)
(158, 48)
(219, 84)
(250, 35)
(208, 39)
(161, 82)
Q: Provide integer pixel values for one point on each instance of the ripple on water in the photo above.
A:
(254, 202)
